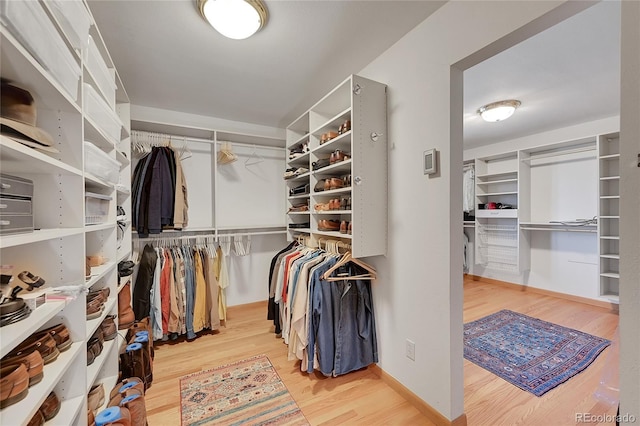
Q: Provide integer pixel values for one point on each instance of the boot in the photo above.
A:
(143, 338)
(125, 313)
(114, 416)
(142, 326)
(135, 405)
(135, 363)
(128, 383)
(120, 396)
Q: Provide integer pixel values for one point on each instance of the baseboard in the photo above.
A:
(525, 288)
(430, 412)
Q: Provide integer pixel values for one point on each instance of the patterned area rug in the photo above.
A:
(532, 354)
(247, 392)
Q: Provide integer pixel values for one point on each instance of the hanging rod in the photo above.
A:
(202, 140)
(557, 154)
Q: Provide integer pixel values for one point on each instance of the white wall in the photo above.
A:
(418, 295)
(562, 262)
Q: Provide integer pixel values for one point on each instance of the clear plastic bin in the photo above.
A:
(98, 111)
(98, 163)
(30, 24)
(103, 76)
(74, 19)
(96, 208)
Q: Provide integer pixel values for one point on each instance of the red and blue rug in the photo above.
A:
(532, 354)
(247, 392)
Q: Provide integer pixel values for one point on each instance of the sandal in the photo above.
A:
(33, 281)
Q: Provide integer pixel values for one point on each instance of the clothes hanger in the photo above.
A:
(254, 158)
(185, 152)
(371, 275)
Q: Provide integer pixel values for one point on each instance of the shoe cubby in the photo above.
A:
(609, 215)
(346, 134)
(56, 248)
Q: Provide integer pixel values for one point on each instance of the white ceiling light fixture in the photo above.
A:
(236, 19)
(498, 111)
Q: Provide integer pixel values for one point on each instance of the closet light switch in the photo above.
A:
(430, 161)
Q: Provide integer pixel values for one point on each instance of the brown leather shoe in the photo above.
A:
(328, 225)
(349, 229)
(37, 419)
(96, 398)
(125, 385)
(32, 360)
(50, 407)
(94, 307)
(343, 227)
(91, 419)
(109, 329)
(42, 342)
(14, 384)
(60, 334)
(126, 317)
(94, 348)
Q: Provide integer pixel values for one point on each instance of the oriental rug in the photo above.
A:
(247, 392)
(532, 354)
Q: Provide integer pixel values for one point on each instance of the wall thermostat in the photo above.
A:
(430, 161)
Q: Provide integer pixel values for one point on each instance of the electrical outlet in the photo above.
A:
(411, 350)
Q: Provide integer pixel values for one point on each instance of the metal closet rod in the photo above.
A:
(211, 141)
(169, 236)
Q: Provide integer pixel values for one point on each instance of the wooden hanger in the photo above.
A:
(346, 258)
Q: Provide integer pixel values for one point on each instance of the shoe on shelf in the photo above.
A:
(328, 225)
(109, 328)
(349, 229)
(50, 407)
(14, 384)
(96, 398)
(32, 360)
(37, 419)
(31, 280)
(343, 227)
(334, 183)
(94, 307)
(42, 342)
(60, 334)
(126, 317)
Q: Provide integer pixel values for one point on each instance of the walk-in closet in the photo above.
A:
(319, 217)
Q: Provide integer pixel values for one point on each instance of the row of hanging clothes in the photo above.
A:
(180, 284)
(158, 186)
(321, 304)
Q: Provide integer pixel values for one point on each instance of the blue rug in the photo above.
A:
(532, 354)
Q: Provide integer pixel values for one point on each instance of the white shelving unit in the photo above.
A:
(363, 103)
(609, 215)
(56, 249)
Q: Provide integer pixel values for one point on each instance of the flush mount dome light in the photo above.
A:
(236, 19)
(498, 111)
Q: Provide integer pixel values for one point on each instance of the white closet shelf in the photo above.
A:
(94, 369)
(94, 134)
(530, 226)
(494, 176)
(335, 234)
(92, 325)
(301, 159)
(100, 226)
(302, 139)
(69, 409)
(333, 191)
(610, 178)
(610, 274)
(298, 213)
(53, 371)
(612, 297)
(609, 217)
(96, 181)
(324, 212)
(38, 236)
(19, 158)
(497, 181)
(609, 237)
(341, 142)
(299, 177)
(340, 167)
(497, 213)
(18, 65)
(97, 272)
(609, 197)
(495, 194)
(124, 255)
(300, 230)
(333, 123)
(13, 334)
(122, 159)
(297, 197)
(122, 192)
(610, 256)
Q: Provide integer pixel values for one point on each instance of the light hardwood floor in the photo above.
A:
(362, 398)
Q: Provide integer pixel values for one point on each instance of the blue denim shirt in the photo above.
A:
(342, 323)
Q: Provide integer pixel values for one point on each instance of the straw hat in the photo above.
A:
(18, 118)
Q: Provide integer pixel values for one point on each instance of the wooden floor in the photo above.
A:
(361, 398)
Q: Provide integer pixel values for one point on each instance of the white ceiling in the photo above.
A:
(168, 57)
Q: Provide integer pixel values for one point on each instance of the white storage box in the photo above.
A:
(98, 163)
(103, 76)
(30, 24)
(96, 208)
(103, 116)
(74, 19)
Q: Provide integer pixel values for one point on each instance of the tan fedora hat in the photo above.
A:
(18, 118)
